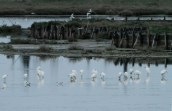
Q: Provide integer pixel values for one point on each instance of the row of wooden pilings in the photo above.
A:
(122, 37)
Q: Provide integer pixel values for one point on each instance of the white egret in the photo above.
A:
(4, 77)
(137, 72)
(61, 83)
(39, 73)
(126, 74)
(71, 17)
(25, 76)
(147, 70)
(71, 75)
(109, 18)
(88, 14)
(33, 13)
(38, 68)
(90, 11)
(119, 74)
(102, 75)
(163, 72)
(93, 76)
(81, 72)
(131, 71)
(75, 73)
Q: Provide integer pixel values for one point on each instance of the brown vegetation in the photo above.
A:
(81, 7)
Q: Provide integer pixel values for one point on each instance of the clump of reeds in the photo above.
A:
(110, 48)
(44, 48)
(75, 47)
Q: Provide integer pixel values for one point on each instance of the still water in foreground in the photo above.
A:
(148, 93)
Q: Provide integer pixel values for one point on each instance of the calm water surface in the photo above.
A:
(26, 20)
(145, 94)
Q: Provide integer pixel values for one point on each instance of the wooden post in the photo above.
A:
(68, 32)
(58, 33)
(133, 38)
(166, 40)
(148, 38)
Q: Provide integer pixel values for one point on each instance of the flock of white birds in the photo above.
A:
(73, 75)
(88, 15)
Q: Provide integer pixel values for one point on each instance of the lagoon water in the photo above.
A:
(25, 23)
(145, 94)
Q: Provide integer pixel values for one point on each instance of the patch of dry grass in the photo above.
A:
(82, 7)
(75, 47)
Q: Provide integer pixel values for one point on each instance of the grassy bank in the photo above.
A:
(66, 7)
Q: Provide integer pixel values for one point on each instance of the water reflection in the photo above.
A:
(163, 80)
(137, 80)
(124, 89)
(147, 79)
(119, 82)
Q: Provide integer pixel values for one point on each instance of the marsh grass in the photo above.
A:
(10, 29)
(110, 48)
(75, 47)
(82, 6)
(44, 48)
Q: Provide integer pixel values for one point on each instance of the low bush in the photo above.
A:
(72, 39)
(44, 48)
(75, 47)
(109, 48)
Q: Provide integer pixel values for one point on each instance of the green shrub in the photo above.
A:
(72, 39)
(75, 47)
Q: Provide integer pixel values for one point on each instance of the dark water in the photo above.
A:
(27, 20)
(145, 94)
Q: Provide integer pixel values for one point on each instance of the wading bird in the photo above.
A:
(25, 76)
(163, 72)
(81, 72)
(102, 75)
(147, 70)
(4, 77)
(137, 72)
(119, 74)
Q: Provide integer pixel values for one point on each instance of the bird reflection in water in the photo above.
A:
(147, 79)
(72, 81)
(119, 82)
(103, 82)
(131, 79)
(81, 81)
(163, 80)
(137, 80)
(4, 84)
(125, 80)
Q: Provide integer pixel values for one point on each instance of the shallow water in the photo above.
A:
(25, 23)
(144, 94)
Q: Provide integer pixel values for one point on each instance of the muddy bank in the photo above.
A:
(81, 8)
(82, 52)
